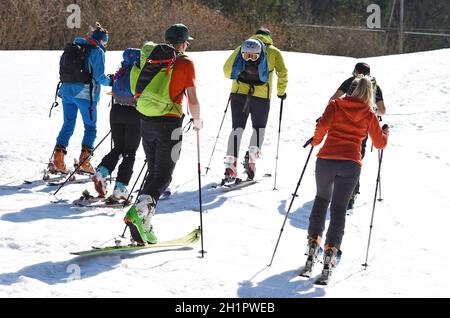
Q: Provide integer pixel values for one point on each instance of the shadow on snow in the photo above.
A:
(284, 285)
(50, 211)
(62, 272)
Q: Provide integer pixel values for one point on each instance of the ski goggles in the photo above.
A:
(250, 56)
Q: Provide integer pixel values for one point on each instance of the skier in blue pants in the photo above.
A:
(77, 96)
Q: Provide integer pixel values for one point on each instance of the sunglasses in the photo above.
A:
(250, 56)
(187, 43)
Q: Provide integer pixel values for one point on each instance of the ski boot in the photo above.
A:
(230, 174)
(57, 165)
(120, 192)
(313, 253)
(166, 194)
(351, 203)
(100, 180)
(138, 219)
(250, 162)
(331, 257)
(86, 195)
(84, 164)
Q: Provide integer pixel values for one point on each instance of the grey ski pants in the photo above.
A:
(335, 181)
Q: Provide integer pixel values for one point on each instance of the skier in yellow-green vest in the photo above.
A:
(251, 66)
(164, 76)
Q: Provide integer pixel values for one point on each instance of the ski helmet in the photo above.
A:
(251, 49)
(362, 68)
(263, 31)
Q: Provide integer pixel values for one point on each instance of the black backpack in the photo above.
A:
(250, 74)
(72, 66)
(162, 56)
(72, 69)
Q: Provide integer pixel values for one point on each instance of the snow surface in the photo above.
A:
(408, 255)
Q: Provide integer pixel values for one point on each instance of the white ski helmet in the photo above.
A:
(251, 46)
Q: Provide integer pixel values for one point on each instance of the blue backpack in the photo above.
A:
(121, 88)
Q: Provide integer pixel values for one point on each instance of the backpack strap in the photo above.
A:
(183, 92)
(169, 63)
(91, 98)
(121, 72)
(91, 84)
(246, 108)
(151, 74)
(92, 42)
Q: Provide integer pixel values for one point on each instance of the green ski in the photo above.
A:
(186, 240)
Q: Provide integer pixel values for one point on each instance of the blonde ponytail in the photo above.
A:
(363, 90)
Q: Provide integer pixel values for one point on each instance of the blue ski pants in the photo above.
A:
(71, 106)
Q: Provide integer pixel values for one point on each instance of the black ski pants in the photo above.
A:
(126, 134)
(335, 180)
(241, 107)
(162, 145)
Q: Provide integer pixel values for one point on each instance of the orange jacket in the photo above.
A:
(347, 121)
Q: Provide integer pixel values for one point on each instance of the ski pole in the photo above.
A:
(140, 190)
(380, 119)
(112, 104)
(278, 145)
(81, 163)
(379, 182)
(139, 175)
(293, 198)
(46, 175)
(373, 208)
(218, 134)
(200, 191)
(112, 146)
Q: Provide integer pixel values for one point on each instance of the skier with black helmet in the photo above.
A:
(347, 88)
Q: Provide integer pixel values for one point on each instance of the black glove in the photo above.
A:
(111, 76)
(385, 129)
(282, 97)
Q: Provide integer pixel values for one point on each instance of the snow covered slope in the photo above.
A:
(408, 255)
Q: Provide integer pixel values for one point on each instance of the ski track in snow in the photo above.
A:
(406, 256)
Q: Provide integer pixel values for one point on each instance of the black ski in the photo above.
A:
(328, 267)
(110, 202)
(74, 181)
(88, 200)
(42, 181)
(324, 276)
(27, 183)
(236, 183)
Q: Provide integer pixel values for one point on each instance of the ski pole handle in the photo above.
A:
(308, 142)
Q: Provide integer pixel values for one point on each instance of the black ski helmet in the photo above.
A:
(362, 68)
